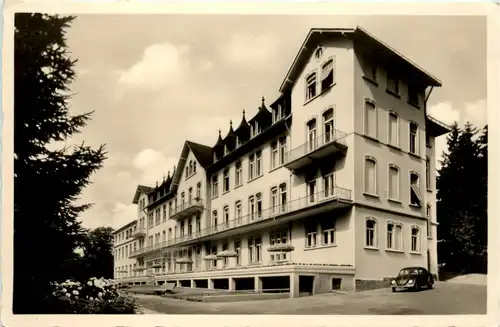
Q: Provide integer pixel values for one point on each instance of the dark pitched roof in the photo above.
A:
(202, 153)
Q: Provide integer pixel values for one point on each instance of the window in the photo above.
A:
(255, 249)
(327, 75)
(258, 198)
(328, 230)
(169, 234)
(392, 83)
(370, 119)
(282, 150)
(164, 213)
(277, 113)
(187, 171)
(311, 86)
(158, 216)
(318, 53)
(214, 219)
(182, 228)
(413, 95)
(183, 198)
(251, 166)
(311, 191)
(393, 182)
(215, 186)
(274, 155)
(311, 231)
(198, 192)
(274, 200)
(225, 260)
(251, 207)
(283, 197)
(370, 176)
(390, 236)
(237, 249)
(226, 180)
(414, 189)
(198, 223)
(328, 185)
(190, 195)
(239, 174)
(258, 165)
(226, 216)
(393, 129)
(278, 238)
(415, 239)
(237, 211)
(371, 233)
(413, 138)
(194, 167)
(328, 126)
(370, 70)
(190, 227)
(428, 141)
(428, 173)
(311, 134)
(429, 226)
(170, 209)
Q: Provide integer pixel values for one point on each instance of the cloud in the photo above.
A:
(122, 214)
(206, 65)
(476, 113)
(248, 49)
(160, 65)
(153, 165)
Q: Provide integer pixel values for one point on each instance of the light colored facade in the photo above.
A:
(338, 172)
(124, 245)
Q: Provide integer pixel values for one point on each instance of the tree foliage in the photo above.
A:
(462, 184)
(47, 182)
(98, 253)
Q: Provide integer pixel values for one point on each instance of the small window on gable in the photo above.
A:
(311, 86)
(413, 95)
(194, 167)
(327, 75)
(318, 53)
(392, 83)
(370, 70)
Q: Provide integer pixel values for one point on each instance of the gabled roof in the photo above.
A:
(139, 190)
(360, 37)
(202, 153)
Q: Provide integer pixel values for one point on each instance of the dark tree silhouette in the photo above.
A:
(462, 201)
(46, 182)
(98, 253)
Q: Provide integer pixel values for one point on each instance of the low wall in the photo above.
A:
(365, 285)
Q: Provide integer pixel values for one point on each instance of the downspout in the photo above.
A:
(426, 99)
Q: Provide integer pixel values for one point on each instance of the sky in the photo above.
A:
(154, 81)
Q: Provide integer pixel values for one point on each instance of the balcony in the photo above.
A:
(187, 209)
(139, 233)
(140, 268)
(310, 205)
(314, 150)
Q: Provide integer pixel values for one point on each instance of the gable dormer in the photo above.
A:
(261, 121)
(242, 133)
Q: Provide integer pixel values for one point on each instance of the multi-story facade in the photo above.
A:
(331, 187)
(124, 245)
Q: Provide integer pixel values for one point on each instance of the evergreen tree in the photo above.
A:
(98, 253)
(461, 200)
(46, 182)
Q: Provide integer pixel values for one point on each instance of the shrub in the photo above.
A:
(95, 296)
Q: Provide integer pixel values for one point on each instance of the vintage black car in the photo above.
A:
(412, 278)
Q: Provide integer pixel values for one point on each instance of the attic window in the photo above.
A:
(310, 86)
(215, 157)
(237, 141)
(318, 53)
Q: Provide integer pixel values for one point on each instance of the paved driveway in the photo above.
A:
(444, 298)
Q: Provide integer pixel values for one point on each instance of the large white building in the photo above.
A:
(330, 187)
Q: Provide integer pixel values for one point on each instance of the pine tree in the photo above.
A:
(461, 201)
(46, 182)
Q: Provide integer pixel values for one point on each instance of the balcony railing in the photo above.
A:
(316, 199)
(139, 232)
(317, 148)
(187, 208)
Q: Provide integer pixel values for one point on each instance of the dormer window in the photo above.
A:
(237, 141)
(226, 150)
(215, 157)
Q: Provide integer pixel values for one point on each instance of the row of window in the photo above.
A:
(328, 130)
(394, 236)
(125, 251)
(393, 128)
(255, 167)
(124, 235)
(190, 168)
(255, 208)
(394, 181)
(392, 83)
